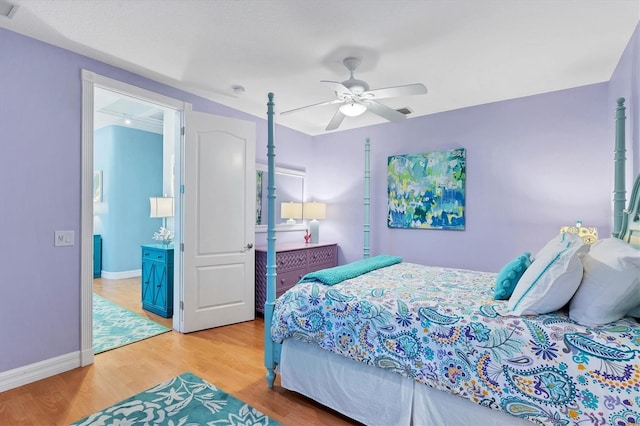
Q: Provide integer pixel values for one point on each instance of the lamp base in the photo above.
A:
(314, 229)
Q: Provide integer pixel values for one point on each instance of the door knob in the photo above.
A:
(249, 246)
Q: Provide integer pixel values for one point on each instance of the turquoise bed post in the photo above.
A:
(269, 345)
(619, 160)
(367, 196)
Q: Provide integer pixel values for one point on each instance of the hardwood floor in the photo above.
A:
(230, 357)
(126, 293)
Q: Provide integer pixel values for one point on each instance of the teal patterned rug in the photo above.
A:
(183, 400)
(115, 326)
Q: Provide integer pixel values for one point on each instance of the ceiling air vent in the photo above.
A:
(405, 110)
(7, 9)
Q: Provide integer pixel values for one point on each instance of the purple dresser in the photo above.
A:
(293, 260)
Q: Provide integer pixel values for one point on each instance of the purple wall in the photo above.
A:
(291, 151)
(40, 166)
(541, 136)
(533, 164)
(625, 83)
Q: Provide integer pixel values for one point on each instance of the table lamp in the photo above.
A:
(161, 207)
(314, 211)
(291, 211)
(588, 234)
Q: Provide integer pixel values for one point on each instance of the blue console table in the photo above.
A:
(97, 256)
(157, 279)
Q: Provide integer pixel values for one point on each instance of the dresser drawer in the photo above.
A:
(323, 266)
(322, 255)
(286, 280)
(280, 293)
(157, 255)
(293, 261)
(290, 260)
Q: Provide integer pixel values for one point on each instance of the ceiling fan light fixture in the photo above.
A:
(354, 98)
(352, 109)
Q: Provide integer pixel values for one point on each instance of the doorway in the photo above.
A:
(173, 111)
(214, 162)
(133, 164)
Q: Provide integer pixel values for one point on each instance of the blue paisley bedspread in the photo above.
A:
(440, 327)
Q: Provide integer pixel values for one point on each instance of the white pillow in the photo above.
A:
(559, 242)
(610, 287)
(552, 279)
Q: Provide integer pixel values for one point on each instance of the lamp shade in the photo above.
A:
(291, 210)
(314, 211)
(161, 206)
(588, 234)
(352, 109)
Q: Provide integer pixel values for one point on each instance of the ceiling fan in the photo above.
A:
(356, 98)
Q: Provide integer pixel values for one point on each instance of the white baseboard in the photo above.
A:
(40, 370)
(120, 275)
(86, 357)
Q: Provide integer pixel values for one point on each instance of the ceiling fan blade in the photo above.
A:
(384, 111)
(335, 101)
(391, 92)
(341, 90)
(336, 120)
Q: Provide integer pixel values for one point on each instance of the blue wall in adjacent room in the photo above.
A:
(131, 163)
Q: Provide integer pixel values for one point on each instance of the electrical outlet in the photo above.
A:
(64, 238)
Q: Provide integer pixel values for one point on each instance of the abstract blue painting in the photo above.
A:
(427, 191)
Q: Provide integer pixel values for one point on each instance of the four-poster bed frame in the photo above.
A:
(626, 226)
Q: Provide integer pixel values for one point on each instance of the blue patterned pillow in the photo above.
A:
(509, 275)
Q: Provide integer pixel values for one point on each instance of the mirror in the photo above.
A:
(289, 188)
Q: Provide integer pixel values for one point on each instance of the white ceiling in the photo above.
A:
(112, 108)
(467, 52)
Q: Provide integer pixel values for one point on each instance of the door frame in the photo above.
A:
(90, 81)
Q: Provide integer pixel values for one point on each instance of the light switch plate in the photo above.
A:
(64, 238)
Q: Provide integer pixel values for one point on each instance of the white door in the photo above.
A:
(218, 222)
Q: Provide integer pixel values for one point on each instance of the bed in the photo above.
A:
(406, 344)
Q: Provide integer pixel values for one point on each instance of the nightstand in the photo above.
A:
(293, 261)
(157, 279)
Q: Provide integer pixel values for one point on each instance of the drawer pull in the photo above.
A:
(159, 256)
(282, 280)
